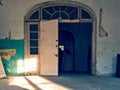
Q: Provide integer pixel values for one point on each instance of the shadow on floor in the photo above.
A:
(32, 84)
(86, 82)
(4, 85)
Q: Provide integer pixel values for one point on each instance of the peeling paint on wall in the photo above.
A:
(7, 53)
(12, 52)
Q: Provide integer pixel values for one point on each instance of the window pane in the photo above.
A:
(35, 15)
(33, 27)
(85, 15)
(45, 15)
(63, 8)
(34, 35)
(55, 16)
(33, 43)
(64, 16)
(74, 14)
(69, 9)
(33, 50)
(49, 10)
(56, 8)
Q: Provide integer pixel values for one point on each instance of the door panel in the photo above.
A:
(49, 47)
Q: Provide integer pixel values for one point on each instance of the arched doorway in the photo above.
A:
(66, 51)
(67, 12)
(77, 37)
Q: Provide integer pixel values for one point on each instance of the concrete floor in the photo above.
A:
(63, 82)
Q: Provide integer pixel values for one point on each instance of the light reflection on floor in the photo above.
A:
(34, 83)
(20, 82)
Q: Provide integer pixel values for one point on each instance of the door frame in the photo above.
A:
(93, 20)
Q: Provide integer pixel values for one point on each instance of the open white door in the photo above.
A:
(49, 48)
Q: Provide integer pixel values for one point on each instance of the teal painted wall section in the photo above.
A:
(13, 66)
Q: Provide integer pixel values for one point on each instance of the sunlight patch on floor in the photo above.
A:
(35, 82)
(45, 84)
(20, 82)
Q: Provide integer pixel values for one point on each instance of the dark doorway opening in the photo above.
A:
(75, 41)
(66, 51)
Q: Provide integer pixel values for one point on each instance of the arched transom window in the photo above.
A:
(61, 12)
